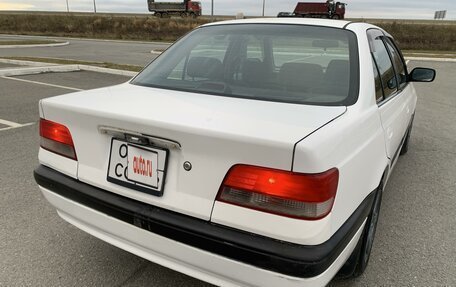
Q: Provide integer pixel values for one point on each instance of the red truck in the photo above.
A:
(187, 8)
(328, 9)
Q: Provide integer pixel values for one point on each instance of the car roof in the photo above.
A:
(301, 21)
(292, 20)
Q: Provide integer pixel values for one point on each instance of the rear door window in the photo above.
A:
(378, 84)
(383, 62)
(398, 62)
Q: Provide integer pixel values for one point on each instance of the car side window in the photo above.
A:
(208, 59)
(212, 47)
(399, 65)
(255, 49)
(383, 62)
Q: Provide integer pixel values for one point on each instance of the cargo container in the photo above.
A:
(328, 9)
(187, 8)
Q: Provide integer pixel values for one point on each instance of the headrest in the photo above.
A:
(204, 67)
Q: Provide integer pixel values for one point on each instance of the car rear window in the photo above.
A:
(272, 62)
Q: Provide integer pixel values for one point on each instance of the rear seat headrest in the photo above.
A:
(253, 71)
(204, 67)
(339, 71)
(301, 75)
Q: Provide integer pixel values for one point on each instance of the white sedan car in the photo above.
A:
(250, 153)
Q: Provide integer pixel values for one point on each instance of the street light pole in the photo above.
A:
(94, 6)
(68, 7)
(212, 9)
(264, 5)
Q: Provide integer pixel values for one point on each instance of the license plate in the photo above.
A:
(142, 168)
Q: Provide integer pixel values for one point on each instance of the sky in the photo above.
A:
(392, 9)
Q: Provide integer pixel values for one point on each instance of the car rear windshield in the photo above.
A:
(271, 62)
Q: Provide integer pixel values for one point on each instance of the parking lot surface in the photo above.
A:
(415, 243)
(120, 52)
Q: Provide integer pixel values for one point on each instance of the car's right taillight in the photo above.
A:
(285, 193)
(57, 138)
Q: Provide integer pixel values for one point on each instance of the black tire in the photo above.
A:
(336, 17)
(193, 15)
(405, 146)
(358, 260)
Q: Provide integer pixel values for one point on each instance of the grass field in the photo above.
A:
(100, 26)
(421, 34)
(418, 35)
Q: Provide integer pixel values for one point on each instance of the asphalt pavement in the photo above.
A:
(92, 50)
(416, 236)
(37, 248)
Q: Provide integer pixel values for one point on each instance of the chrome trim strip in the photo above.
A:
(154, 140)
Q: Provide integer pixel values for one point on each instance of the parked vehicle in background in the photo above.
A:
(328, 9)
(250, 153)
(187, 8)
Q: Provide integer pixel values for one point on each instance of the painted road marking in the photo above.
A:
(41, 83)
(12, 125)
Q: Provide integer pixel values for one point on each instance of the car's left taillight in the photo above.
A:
(57, 138)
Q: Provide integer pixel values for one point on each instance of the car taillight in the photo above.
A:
(291, 194)
(57, 138)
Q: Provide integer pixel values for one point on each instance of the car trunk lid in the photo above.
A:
(211, 133)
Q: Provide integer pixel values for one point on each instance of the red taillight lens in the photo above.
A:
(57, 138)
(297, 195)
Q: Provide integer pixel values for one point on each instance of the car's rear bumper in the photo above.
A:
(201, 249)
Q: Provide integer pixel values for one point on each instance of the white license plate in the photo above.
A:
(141, 168)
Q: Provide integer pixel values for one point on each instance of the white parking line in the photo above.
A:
(8, 123)
(12, 125)
(41, 83)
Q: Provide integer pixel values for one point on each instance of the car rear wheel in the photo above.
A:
(358, 260)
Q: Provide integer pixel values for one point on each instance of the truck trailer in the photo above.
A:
(328, 9)
(187, 8)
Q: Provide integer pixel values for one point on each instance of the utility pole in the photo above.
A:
(68, 7)
(94, 7)
(264, 5)
(212, 10)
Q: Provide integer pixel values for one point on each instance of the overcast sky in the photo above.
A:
(406, 9)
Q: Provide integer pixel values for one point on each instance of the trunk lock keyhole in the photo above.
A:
(187, 166)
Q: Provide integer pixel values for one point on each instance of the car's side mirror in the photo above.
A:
(392, 83)
(422, 75)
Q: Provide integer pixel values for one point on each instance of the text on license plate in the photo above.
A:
(138, 167)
